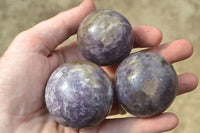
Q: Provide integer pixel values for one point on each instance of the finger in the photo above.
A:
(161, 123)
(186, 83)
(146, 36)
(47, 35)
(64, 54)
(174, 51)
(70, 52)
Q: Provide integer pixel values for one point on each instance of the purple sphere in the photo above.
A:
(145, 84)
(105, 37)
(79, 94)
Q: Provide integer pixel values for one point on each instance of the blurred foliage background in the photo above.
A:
(178, 19)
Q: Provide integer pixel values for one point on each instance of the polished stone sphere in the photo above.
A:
(105, 37)
(145, 84)
(79, 94)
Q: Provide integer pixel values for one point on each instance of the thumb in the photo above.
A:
(161, 123)
(47, 35)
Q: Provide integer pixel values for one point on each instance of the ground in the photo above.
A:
(176, 19)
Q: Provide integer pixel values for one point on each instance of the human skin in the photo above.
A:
(33, 55)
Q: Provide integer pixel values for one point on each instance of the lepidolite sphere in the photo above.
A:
(105, 37)
(79, 94)
(145, 84)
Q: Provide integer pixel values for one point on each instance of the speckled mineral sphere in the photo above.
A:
(105, 37)
(145, 84)
(79, 94)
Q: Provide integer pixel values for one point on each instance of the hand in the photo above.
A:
(32, 57)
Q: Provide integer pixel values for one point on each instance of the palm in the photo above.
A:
(33, 55)
(36, 69)
(32, 72)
